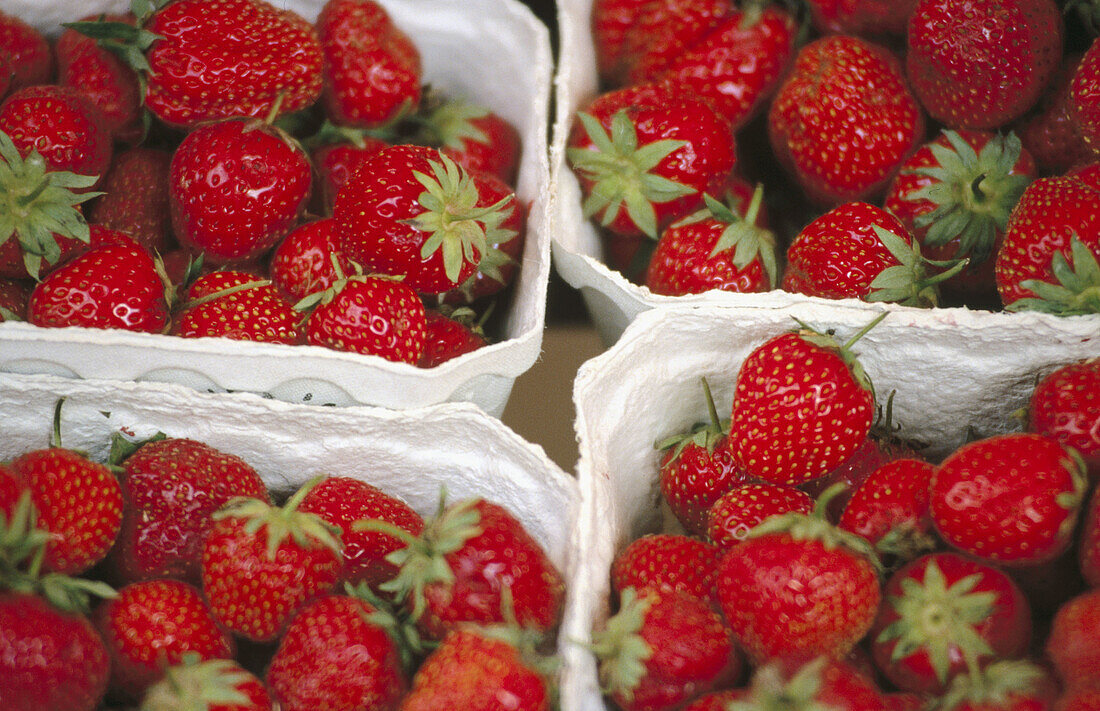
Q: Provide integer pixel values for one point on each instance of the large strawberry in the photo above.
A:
(612, 21)
(335, 161)
(662, 31)
(982, 64)
(890, 509)
(666, 560)
(835, 155)
(236, 188)
(135, 199)
(645, 155)
(1071, 645)
(1051, 132)
(1084, 100)
(237, 305)
(29, 57)
(210, 685)
(818, 684)
(745, 507)
(1064, 407)
(475, 137)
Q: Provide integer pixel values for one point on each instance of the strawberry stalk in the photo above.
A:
(748, 240)
(703, 435)
(621, 650)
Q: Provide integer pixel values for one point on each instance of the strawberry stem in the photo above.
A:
(864, 331)
(226, 292)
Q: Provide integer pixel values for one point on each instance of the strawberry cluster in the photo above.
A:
(912, 150)
(225, 168)
(216, 597)
(813, 559)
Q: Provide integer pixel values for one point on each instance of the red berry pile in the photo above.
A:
(921, 152)
(170, 577)
(224, 168)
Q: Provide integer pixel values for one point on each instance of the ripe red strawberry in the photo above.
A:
(723, 247)
(945, 614)
(261, 564)
(114, 284)
(1089, 553)
(859, 251)
(798, 587)
(1079, 698)
(662, 649)
(1002, 686)
(369, 315)
(481, 670)
(69, 666)
(745, 507)
(211, 685)
(1051, 133)
(1071, 645)
(412, 211)
(29, 57)
(473, 136)
(302, 263)
(612, 21)
(1012, 499)
(982, 64)
(156, 623)
(458, 568)
(645, 155)
(14, 294)
(341, 501)
(372, 68)
(819, 684)
(862, 17)
(890, 509)
(236, 305)
(449, 336)
(955, 194)
(1048, 261)
(334, 656)
(1084, 101)
(669, 561)
(334, 164)
(135, 199)
(823, 417)
(237, 187)
(715, 700)
(1065, 406)
(162, 536)
(842, 156)
(663, 30)
(104, 79)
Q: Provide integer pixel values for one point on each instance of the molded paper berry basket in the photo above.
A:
(950, 371)
(510, 72)
(612, 300)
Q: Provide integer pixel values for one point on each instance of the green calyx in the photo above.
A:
(306, 530)
(620, 649)
(771, 691)
(1077, 291)
(824, 340)
(397, 624)
(455, 223)
(908, 283)
(330, 134)
(195, 685)
(36, 204)
(994, 686)
(940, 619)
(448, 123)
(742, 235)
(620, 172)
(705, 435)
(973, 193)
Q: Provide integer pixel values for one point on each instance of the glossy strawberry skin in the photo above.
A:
(743, 508)
(447, 338)
(152, 623)
(862, 17)
(334, 165)
(136, 199)
(1051, 133)
(1084, 100)
(874, 452)
(694, 478)
(612, 20)
(982, 64)
(70, 670)
(892, 500)
(1065, 406)
(667, 560)
(30, 58)
(333, 657)
(236, 188)
(371, 316)
(843, 156)
(663, 31)
(302, 263)
(498, 152)
(103, 78)
(265, 52)
(1071, 644)
(259, 313)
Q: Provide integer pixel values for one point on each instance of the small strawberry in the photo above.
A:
(843, 156)
(645, 155)
(1071, 645)
(983, 64)
(1084, 98)
(745, 507)
(335, 162)
(30, 59)
(261, 564)
(211, 685)
(943, 615)
(302, 263)
(1013, 499)
(662, 649)
(334, 656)
(890, 509)
(664, 29)
(1050, 132)
(668, 561)
(450, 334)
(1065, 406)
(1002, 686)
(236, 305)
(372, 69)
(135, 198)
(818, 684)
(473, 136)
(156, 623)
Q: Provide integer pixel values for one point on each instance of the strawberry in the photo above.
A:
(211, 685)
(745, 507)
(861, 251)
(14, 295)
(29, 57)
(449, 336)
(69, 667)
(1065, 407)
(697, 468)
(334, 164)
(369, 315)
(114, 284)
(1079, 698)
(798, 587)
(1071, 645)
(1089, 553)
(261, 564)
(1048, 261)
(983, 64)
(668, 561)
(652, 151)
(1084, 99)
(721, 247)
(372, 68)
(715, 700)
(818, 684)
(473, 136)
(302, 263)
(823, 416)
(412, 211)
(237, 187)
(341, 501)
(664, 29)
(153, 624)
(135, 199)
(612, 22)
(478, 669)
(1002, 686)
(162, 536)
(890, 509)
(333, 656)
(946, 614)
(955, 195)
(1050, 132)
(1012, 499)
(662, 649)
(470, 556)
(861, 17)
(843, 156)
(236, 305)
